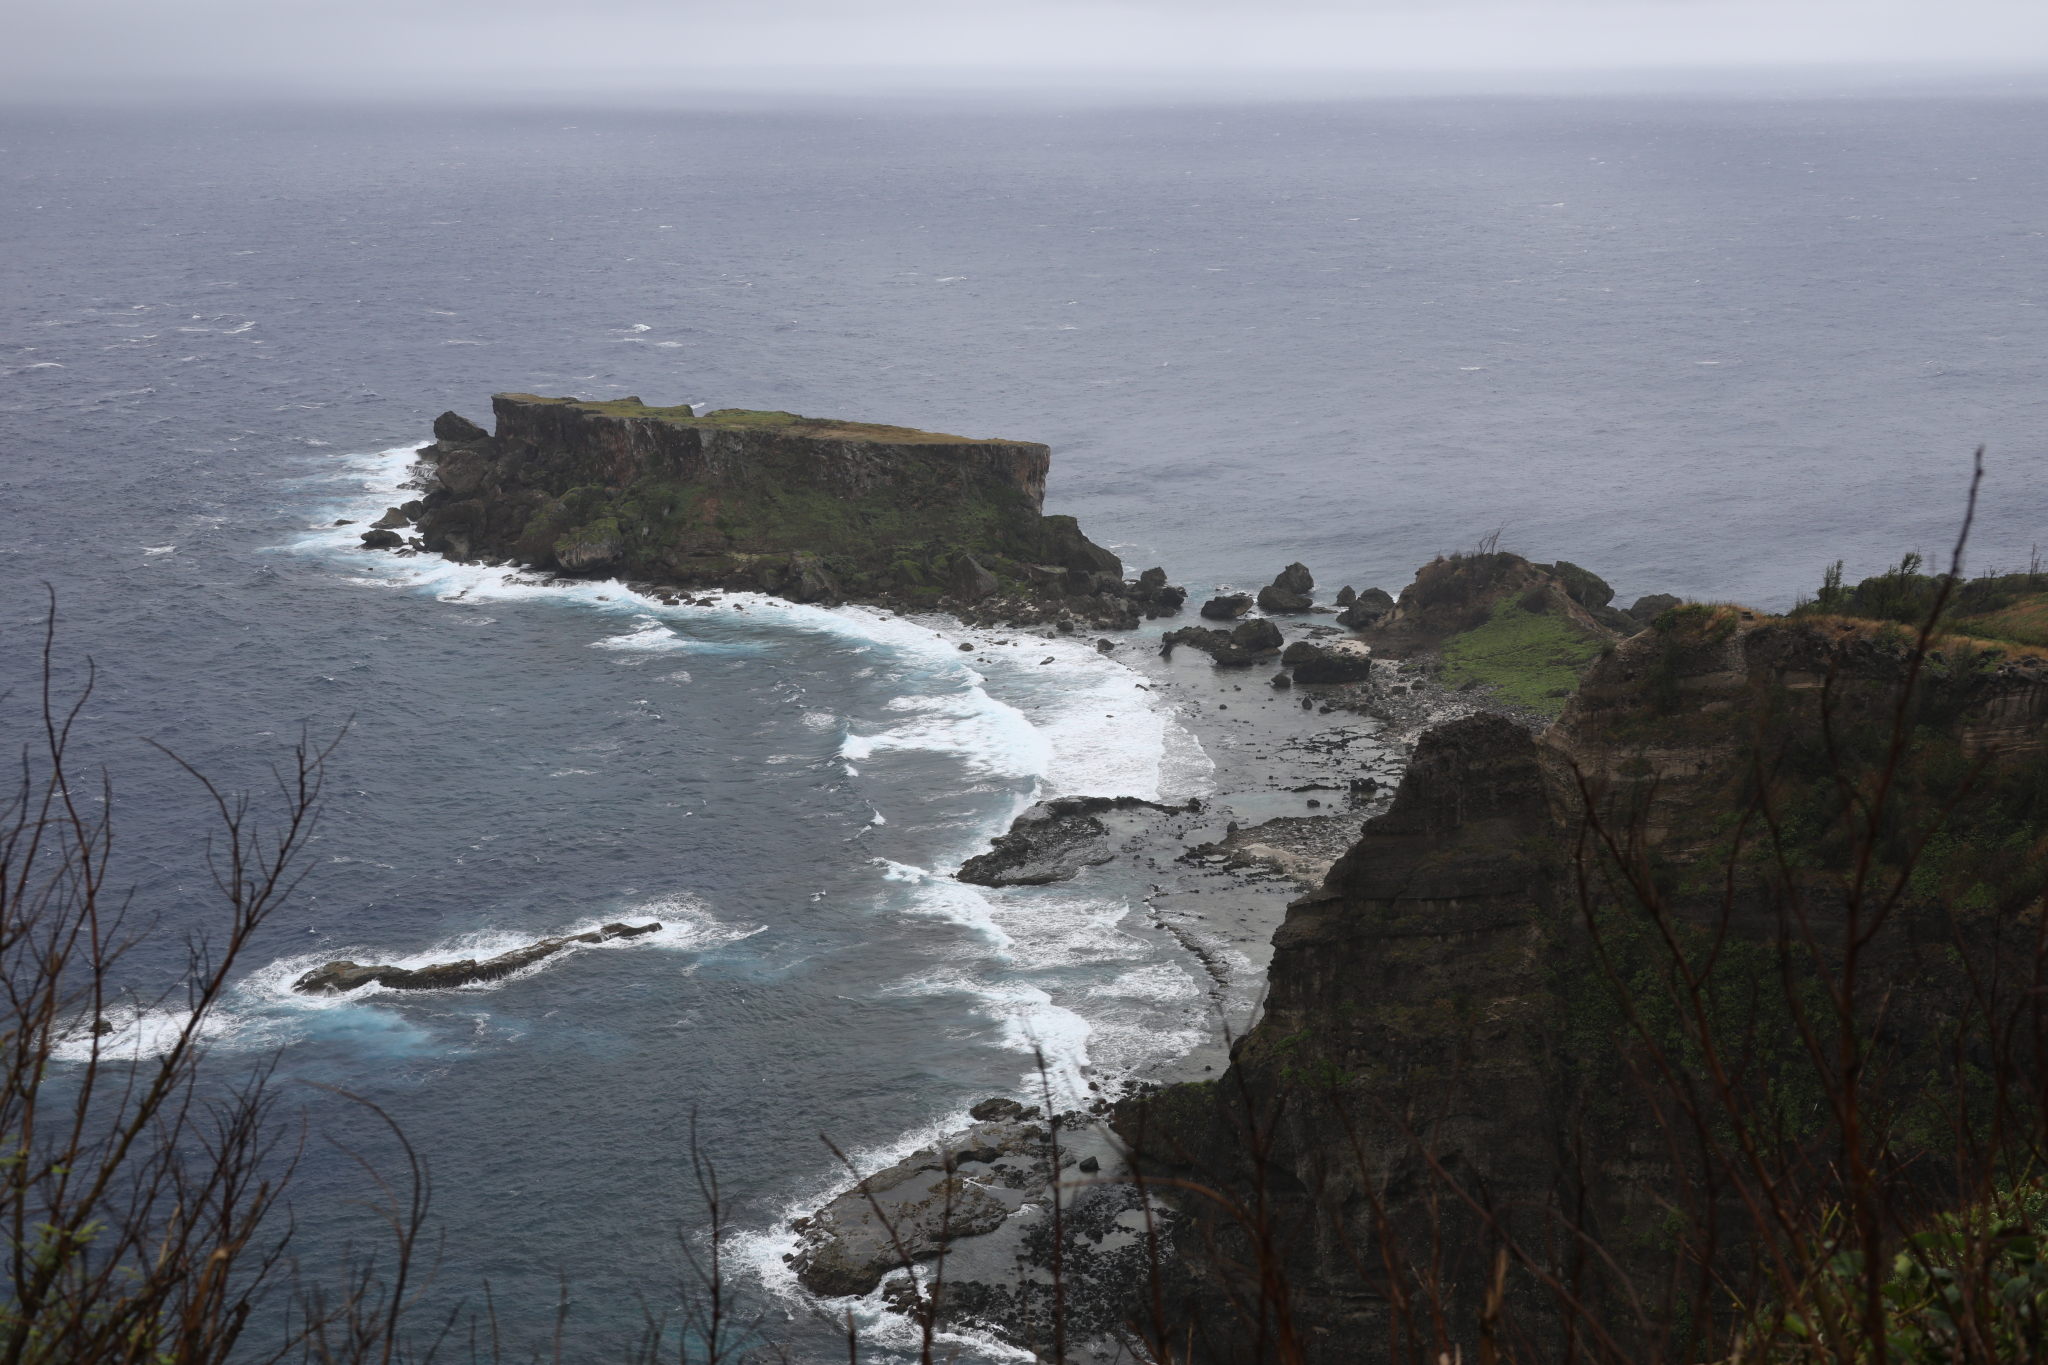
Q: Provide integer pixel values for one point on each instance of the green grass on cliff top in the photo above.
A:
(1530, 658)
(748, 419)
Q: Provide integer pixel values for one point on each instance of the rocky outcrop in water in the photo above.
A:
(811, 509)
(1313, 662)
(1054, 840)
(1227, 607)
(981, 1197)
(1366, 609)
(1289, 592)
(336, 978)
(1155, 595)
(1242, 647)
(963, 1187)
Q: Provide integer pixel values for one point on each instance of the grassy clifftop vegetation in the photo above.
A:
(1527, 653)
(2010, 607)
(758, 419)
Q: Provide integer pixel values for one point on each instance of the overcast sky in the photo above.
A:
(98, 49)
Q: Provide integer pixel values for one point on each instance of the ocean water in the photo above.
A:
(1697, 346)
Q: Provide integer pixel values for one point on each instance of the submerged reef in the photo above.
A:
(336, 978)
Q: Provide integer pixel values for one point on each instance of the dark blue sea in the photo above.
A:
(1697, 346)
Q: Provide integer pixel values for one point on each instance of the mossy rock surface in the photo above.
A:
(820, 509)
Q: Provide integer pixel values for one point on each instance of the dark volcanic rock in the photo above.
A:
(913, 1209)
(981, 1196)
(1258, 637)
(1289, 592)
(1314, 663)
(1281, 601)
(1000, 1108)
(382, 540)
(1227, 608)
(805, 580)
(1157, 596)
(1239, 648)
(1051, 842)
(455, 429)
(1367, 609)
(1648, 609)
(1346, 595)
(971, 582)
(338, 977)
(1066, 546)
(393, 518)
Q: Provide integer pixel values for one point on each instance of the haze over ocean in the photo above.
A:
(1701, 346)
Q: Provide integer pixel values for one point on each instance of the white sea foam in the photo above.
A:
(262, 1012)
(1051, 971)
(1079, 724)
(946, 899)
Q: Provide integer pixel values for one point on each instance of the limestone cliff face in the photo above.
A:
(1436, 994)
(817, 510)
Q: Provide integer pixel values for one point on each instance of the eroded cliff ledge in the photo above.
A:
(812, 509)
(1439, 992)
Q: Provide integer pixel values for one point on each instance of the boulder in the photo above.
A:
(1327, 664)
(455, 429)
(1153, 593)
(1585, 587)
(393, 518)
(1346, 596)
(1091, 583)
(1367, 609)
(997, 1108)
(1281, 679)
(1289, 592)
(382, 540)
(805, 580)
(1239, 648)
(1648, 609)
(1068, 548)
(1258, 637)
(1227, 608)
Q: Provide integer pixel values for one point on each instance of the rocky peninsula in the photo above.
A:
(810, 509)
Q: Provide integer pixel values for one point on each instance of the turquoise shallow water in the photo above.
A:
(1698, 347)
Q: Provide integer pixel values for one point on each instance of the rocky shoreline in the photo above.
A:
(1309, 712)
(1299, 768)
